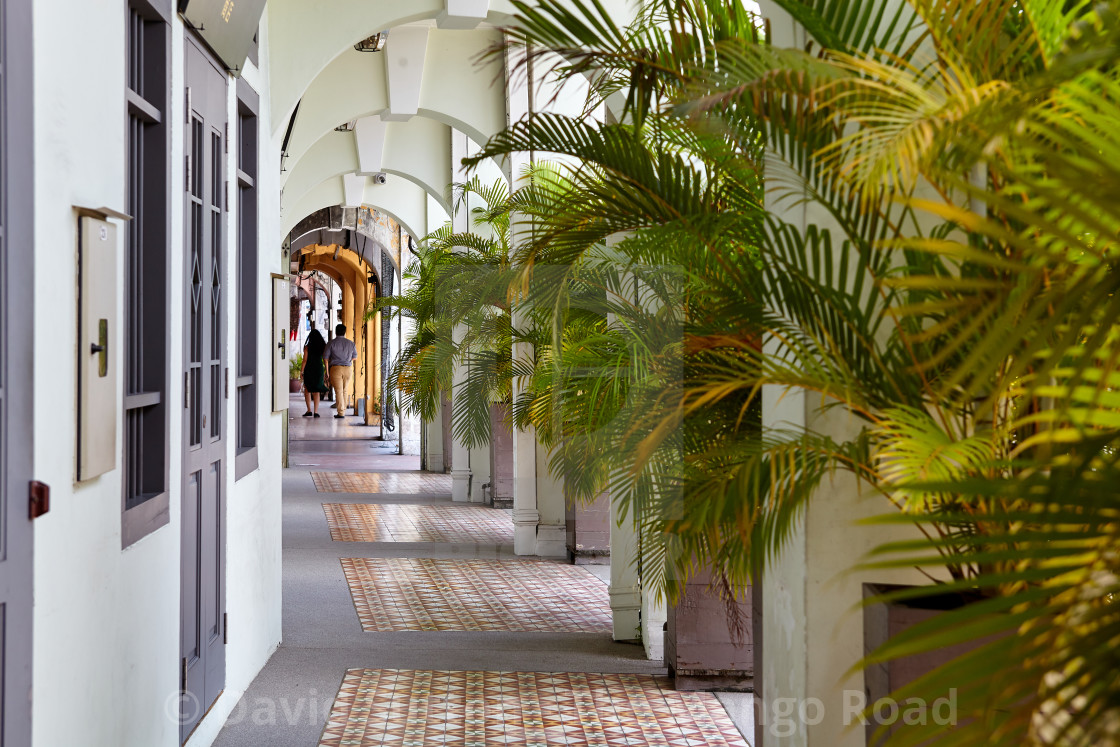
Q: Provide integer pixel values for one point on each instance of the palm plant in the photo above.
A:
(958, 299)
(457, 302)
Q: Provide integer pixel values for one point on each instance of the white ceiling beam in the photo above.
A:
(369, 133)
(405, 52)
(353, 190)
(463, 14)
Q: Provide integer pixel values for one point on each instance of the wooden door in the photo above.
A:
(205, 391)
(16, 267)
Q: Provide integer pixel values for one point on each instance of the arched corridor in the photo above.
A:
(675, 373)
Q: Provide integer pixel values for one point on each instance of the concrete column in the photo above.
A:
(552, 529)
(461, 488)
(358, 333)
(373, 366)
(480, 472)
(625, 590)
(524, 455)
(432, 458)
(654, 616)
(347, 318)
(460, 456)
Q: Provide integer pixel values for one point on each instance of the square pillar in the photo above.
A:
(654, 617)
(460, 454)
(431, 458)
(524, 459)
(480, 472)
(625, 593)
(553, 530)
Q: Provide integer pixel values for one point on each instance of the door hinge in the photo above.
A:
(227, 382)
(183, 676)
(227, 196)
(227, 137)
(187, 389)
(188, 172)
(40, 499)
(225, 627)
(188, 116)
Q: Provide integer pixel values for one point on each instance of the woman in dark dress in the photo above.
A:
(313, 371)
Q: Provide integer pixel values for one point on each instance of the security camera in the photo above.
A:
(380, 178)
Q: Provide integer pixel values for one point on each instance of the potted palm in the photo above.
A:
(295, 371)
(956, 301)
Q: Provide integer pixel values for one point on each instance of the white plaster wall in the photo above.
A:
(106, 621)
(106, 647)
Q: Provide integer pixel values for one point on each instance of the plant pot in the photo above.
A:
(295, 386)
(883, 621)
(589, 530)
(501, 457)
(701, 651)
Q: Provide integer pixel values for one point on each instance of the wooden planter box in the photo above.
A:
(883, 621)
(700, 651)
(588, 529)
(501, 457)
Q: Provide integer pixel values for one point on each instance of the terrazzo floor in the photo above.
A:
(474, 594)
(366, 522)
(409, 707)
(408, 621)
(382, 482)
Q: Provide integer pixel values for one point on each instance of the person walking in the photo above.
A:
(340, 354)
(314, 372)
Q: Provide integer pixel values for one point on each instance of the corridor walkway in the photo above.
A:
(408, 621)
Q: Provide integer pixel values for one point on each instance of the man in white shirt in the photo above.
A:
(340, 354)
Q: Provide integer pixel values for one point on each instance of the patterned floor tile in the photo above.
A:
(379, 522)
(415, 707)
(382, 482)
(472, 594)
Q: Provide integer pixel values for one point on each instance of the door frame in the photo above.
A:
(16, 416)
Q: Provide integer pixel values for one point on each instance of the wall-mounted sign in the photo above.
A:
(227, 26)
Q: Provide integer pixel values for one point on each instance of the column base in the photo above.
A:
(525, 531)
(654, 622)
(626, 608)
(552, 541)
(477, 494)
(461, 485)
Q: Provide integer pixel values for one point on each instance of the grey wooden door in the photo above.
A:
(16, 266)
(204, 427)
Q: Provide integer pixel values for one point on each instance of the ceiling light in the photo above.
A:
(374, 43)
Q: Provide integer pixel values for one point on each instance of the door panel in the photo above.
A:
(16, 379)
(204, 432)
